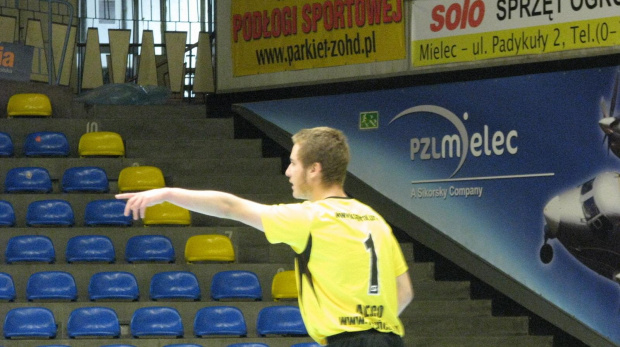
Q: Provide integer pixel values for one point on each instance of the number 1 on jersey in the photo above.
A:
(373, 286)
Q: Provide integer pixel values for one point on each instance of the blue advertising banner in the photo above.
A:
(15, 61)
(522, 171)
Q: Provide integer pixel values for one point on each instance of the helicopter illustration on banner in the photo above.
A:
(586, 219)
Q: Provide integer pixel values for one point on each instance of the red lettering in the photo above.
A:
(457, 15)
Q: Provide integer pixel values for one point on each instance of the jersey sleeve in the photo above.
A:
(289, 224)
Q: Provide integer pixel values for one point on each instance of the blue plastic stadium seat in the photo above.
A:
(236, 284)
(7, 214)
(90, 248)
(6, 145)
(93, 321)
(306, 344)
(30, 248)
(156, 321)
(7, 287)
(174, 285)
(46, 143)
(147, 248)
(219, 320)
(106, 212)
(280, 320)
(50, 213)
(28, 180)
(30, 322)
(85, 179)
(51, 285)
(113, 285)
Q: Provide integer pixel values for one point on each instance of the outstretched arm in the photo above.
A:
(212, 203)
(405, 291)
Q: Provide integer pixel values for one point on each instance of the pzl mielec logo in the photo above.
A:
(7, 59)
(457, 15)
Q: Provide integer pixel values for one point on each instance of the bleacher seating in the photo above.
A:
(306, 344)
(113, 285)
(46, 143)
(28, 180)
(30, 248)
(93, 321)
(174, 285)
(166, 214)
(106, 212)
(156, 321)
(52, 212)
(139, 178)
(7, 214)
(236, 284)
(220, 320)
(34, 322)
(101, 144)
(7, 287)
(29, 104)
(284, 286)
(85, 179)
(51, 285)
(7, 149)
(211, 247)
(149, 248)
(280, 320)
(90, 248)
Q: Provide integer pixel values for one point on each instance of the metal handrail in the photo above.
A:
(50, 62)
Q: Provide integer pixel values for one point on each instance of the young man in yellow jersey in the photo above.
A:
(352, 277)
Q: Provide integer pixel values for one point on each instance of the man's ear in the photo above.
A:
(316, 168)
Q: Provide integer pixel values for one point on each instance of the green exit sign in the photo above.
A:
(369, 120)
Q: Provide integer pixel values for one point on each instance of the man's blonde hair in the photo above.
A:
(326, 146)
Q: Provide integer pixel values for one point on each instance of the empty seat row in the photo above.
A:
(139, 248)
(39, 322)
(102, 212)
(240, 344)
(56, 144)
(85, 179)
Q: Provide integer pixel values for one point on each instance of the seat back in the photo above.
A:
(220, 320)
(306, 344)
(106, 212)
(50, 213)
(6, 145)
(90, 248)
(7, 287)
(85, 179)
(29, 104)
(93, 321)
(284, 286)
(149, 248)
(166, 214)
(113, 285)
(51, 285)
(280, 320)
(28, 180)
(30, 322)
(156, 321)
(101, 144)
(210, 247)
(174, 285)
(139, 178)
(46, 143)
(236, 284)
(30, 248)
(7, 214)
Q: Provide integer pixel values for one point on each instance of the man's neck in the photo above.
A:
(320, 193)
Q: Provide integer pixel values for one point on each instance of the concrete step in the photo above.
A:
(447, 308)
(178, 112)
(195, 149)
(470, 326)
(441, 290)
(478, 341)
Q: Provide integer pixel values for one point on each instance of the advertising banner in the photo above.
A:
(284, 35)
(15, 61)
(522, 171)
(469, 30)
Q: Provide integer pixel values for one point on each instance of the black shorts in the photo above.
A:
(366, 338)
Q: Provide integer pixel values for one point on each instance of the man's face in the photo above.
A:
(298, 176)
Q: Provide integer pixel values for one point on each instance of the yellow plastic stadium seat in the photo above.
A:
(166, 214)
(138, 178)
(101, 143)
(29, 104)
(284, 286)
(209, 248)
